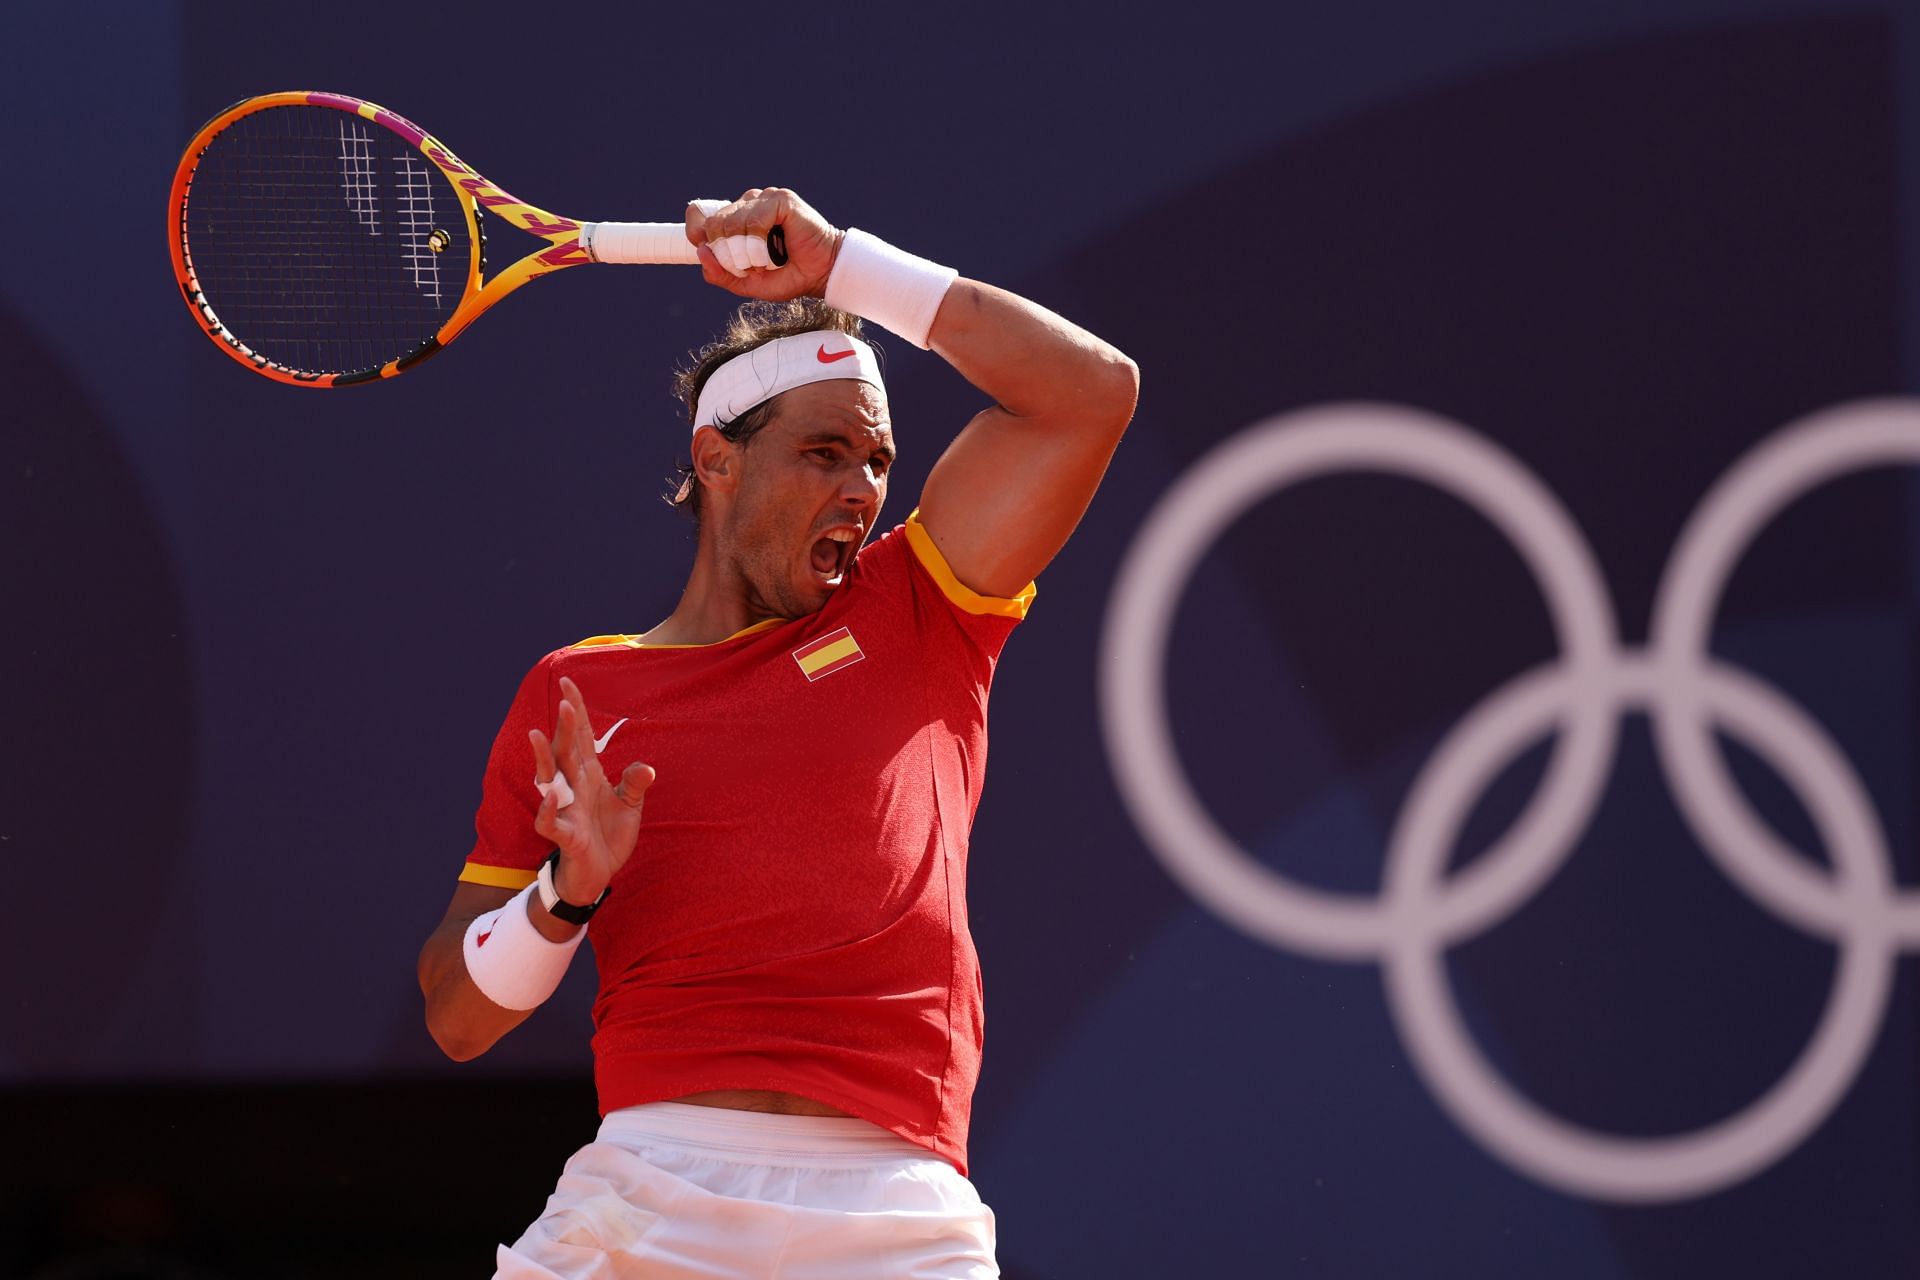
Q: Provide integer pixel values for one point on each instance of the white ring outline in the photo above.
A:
(1800, 457)
(1190, 517)
(1513, 1127)
(1686, 691)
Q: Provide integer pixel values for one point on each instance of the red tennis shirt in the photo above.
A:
(794, 916)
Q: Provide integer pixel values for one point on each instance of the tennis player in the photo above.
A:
(788, 1025)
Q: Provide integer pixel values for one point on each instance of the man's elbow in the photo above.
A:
(460, 1050)
(456, 1042)
(452, 1032)
(1116, 390)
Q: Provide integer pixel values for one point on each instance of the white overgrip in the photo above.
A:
(637, 242)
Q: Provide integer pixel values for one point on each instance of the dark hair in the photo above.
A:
(753, 325)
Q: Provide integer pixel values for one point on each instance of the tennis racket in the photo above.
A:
(324, 241)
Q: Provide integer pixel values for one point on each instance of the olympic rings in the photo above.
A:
(1686, 691)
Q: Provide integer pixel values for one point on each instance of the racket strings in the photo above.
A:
(416, 215)
(356, 174)
(323, 242)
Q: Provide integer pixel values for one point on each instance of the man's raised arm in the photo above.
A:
(1007, 493)
(1010, 489)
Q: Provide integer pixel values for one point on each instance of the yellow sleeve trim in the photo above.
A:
(955, 590)
(497, 877)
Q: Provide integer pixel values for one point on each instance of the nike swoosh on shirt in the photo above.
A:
(822, 356)
(600, 743)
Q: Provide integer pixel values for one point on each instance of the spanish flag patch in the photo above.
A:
(828, 654)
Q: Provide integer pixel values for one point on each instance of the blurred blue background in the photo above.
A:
(258, 638)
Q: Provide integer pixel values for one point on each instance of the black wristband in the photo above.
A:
(559, 907)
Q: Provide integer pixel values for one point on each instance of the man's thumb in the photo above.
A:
(634, 781)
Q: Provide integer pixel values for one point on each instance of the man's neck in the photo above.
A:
(715, 604)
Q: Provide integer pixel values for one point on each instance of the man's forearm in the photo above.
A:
(463, 1021)
(1036, 365)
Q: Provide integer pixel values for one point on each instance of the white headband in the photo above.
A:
(756, 376)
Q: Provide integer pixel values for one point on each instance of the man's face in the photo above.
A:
(809, 490)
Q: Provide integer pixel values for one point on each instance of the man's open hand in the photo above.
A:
(596, 832)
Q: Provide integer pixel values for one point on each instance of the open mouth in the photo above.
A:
(833, 552)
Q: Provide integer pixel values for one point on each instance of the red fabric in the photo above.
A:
(794, 914)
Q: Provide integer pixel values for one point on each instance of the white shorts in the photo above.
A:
(670, 1192)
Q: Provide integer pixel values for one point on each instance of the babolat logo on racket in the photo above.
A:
(830, 653)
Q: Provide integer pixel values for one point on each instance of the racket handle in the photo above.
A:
(656, 242)
(645, 242)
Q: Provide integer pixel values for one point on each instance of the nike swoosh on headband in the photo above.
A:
(755, 377)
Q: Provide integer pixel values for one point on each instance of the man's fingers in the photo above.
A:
(582, 729)
(565, 754)
(752, 250)
(555, 789)
(570, 727)
(551, 824)
(698, 211)
(633, 785)
(728, 250)
(543, 766)
(546, 819)
(711, 269)
(734, 254)
(549, 779)
(736, 219)
(575, 764)
(754, 213)
(740, 254)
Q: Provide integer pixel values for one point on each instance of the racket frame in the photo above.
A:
(473, 191)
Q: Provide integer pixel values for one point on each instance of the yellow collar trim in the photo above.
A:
(634, 642)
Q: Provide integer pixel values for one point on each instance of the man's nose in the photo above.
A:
(861, 489)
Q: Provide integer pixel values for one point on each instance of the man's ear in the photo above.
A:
(715, 459)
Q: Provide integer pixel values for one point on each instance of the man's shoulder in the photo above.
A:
(924, 552)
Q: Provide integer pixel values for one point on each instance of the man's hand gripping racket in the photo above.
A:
(731, 240)
(325, 241)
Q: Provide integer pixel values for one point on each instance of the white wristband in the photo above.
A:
(514, 964)
(891, 287)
